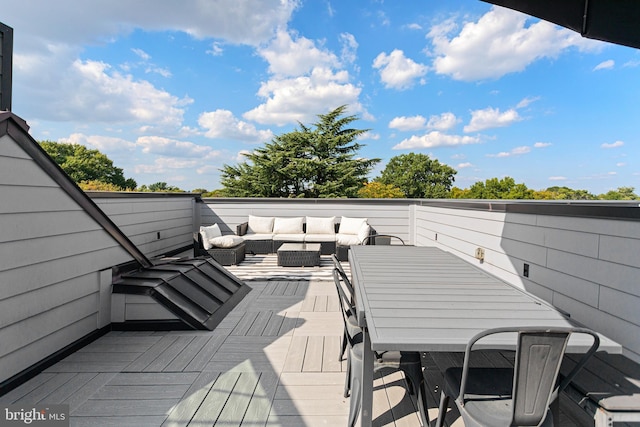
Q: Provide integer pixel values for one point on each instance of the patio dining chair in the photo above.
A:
(408, 362)
(518, 396)
(351, 323)
(382, 239)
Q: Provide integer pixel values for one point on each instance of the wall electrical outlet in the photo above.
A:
(480, 254)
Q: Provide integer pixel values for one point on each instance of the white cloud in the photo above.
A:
(435, 139)
(557, 178)
(397, 71)
(368, 135)
(514, 152)
(216, 49)
(464, 165)
(444, 121)
(104, 144)
(91, 92)
(498, 44)
(621, 164)
(289, 57)
(174, 148)
(164, 165)
(541, 144)
(527, 101)
(616, 144)
(404, 123)
(223, 124)
(605, 65)
(142, 54)
(349, 47)
(242, 156)
(250, 21)
(491, 118)
(53, 38)
(301, 99)
(305, 81)
(414, 26)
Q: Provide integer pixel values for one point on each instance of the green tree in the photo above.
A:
(98, 186)
(418, 176)
(160, 187)
(622, 193)
(494, 188)
(378, 190)
(563, 193)
(85, 165)
(317, 161)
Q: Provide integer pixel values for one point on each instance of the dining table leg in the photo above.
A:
(366, 414)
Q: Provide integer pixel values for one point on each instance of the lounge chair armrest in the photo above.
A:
(198, 247)
(242, 229)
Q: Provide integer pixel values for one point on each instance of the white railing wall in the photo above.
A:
(586, 264)
(156, 223)
(588, 267)
(55, 265)
(391, 216)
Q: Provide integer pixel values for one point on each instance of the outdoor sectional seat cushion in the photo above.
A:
(228, 241)
(288, 226)
(352, 231)
(254, 236)
(294, 238)
(260, 224)
(207, 233)
(321, 225)
(311, 238)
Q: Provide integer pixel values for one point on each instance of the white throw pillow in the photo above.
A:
(227, 241)
(316, 225)
(209, 233)
(351, 225)
(261, 224)
(363, 233)
(287, 225)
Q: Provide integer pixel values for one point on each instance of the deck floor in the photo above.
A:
(273, 361)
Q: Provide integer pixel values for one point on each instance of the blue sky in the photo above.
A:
(171, 91)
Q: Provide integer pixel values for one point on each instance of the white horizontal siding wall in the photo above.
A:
(388, 216)
(155, 225)
(588, 267)
(52, 262)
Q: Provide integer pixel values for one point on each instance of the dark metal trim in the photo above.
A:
(12, 125)
(35, 369)
(151, 325)
(6, 62)
(138, 195)
(289, 201)
(605, 209)
(620, 210)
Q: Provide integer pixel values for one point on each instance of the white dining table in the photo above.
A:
(424, 299)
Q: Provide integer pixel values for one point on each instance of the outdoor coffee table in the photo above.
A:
(299, 255)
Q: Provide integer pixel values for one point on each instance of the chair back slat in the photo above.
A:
(535, 374)
(346, 308)
(539, 354)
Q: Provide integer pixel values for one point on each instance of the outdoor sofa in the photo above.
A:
(264, 235)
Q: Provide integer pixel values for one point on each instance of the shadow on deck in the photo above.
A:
(272, 361)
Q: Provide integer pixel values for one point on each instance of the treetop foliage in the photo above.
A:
(316, 161)
(418, 176)
(378, 190)
(85, 165)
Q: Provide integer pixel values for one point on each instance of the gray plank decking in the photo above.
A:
(271, 362)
